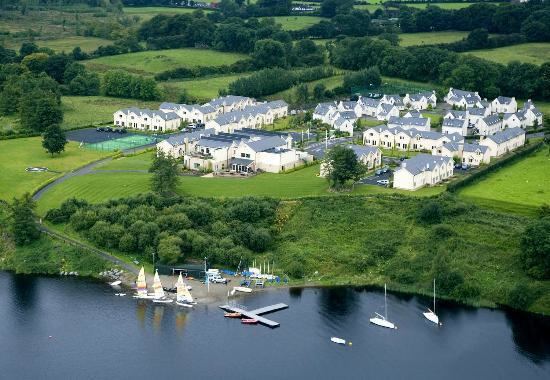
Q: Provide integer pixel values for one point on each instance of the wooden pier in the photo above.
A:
(255, 314)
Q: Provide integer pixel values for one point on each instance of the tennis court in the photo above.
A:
(122, 143)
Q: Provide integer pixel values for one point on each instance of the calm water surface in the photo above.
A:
(96, 335)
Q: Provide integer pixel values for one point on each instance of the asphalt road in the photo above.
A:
(373, 178)
(318, 149)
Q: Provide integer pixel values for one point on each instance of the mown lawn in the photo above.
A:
(18, 154)
(203, 89)
(536, 53)
(91, 110)
(520, 188)
(430, 38)
(297, 22)
(155, 61)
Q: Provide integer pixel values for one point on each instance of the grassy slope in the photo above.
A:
(536, 53)
(152, 62)
(338, 237)
(67, 44)
(330, 83)
(519, 188)
(297, 22)
(147, 13)
(16, 155)
(202, 88)
(429, 38)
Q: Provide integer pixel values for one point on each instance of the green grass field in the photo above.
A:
(297, 22)
(536, 53)
(201, 88)
(374, 5)
(330, 83)
(152, 62)
(147, 13)
(67, 44)
(519, 188)
(91, 110)
(18, 154)
(430, 38)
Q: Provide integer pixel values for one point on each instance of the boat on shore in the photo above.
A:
(183, 297)
(242, 289)
(160, 296)
(382, 320)
(249, 321)
(141, 284)
(115, 283)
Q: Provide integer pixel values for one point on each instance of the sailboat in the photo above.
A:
(142, 286)
(382, 320)
(183, 297)
(431, 315)
(159, 296)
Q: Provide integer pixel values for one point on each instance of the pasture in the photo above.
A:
(536, 53)
(67, 44)
(155, 61)
(200, 88)
(18, 154)
(518, 188)
(430, 38)
(297, 22)
(147, 13)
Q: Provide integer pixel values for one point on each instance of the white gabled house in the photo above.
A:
(369, 106)
(459, 126)
(532, 114)
(503, 104)
(190, 113)
(146, 119)
(369, 156)
(455, 114)
(394, 100)
(347, 106)
(344, 125)
(423, 170)
(421, 100)
(504, 141)
(325, 112)
(489, 125)
(386, 110)
(463, 99)
(476, 114)
(406, 139)
(230, 103)
(514, 120)
(469, 154)
(178, 145)
(413, 113)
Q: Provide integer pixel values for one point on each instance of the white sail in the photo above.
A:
(157, 287)
(382, 320)
(183, 294)
(141, 283)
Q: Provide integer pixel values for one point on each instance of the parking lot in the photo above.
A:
(319, 149)
(372, 180)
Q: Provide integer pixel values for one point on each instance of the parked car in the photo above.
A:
(465, 166)
(383, 182)
(100, 129)
(108, 129)
(385, 169)
(378, 172)
(217, 279)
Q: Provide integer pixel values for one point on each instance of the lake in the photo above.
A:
(96, 335)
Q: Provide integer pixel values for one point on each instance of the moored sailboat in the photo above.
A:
(431, 315)
(382, 320)
(183, 296)
(141, 284)
(160, 296)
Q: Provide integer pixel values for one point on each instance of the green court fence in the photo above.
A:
(123, 143)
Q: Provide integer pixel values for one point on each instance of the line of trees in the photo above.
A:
(121, 84)
(443, 67)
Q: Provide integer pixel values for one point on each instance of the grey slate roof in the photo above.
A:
(349, 105)
(211, 143)
(491, 119)
(467, 147)
(347, 115)
(226, 100)
(241, 161)
(370, 102)
(151, 113)
(505, 135)
(386, 108)
(504, 100)
(416, 121)
(413, 113)
(360, 150)
(452, 146)
(478, 111)
(338, 122)
(265, 144)
(458, 114)
(425, 134)
(453, 123)
(179, 138)
(277, 104)
(423, 162)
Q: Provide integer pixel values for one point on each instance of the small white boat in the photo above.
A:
(115, 283)
(184, 304)
(160, 296)
(337, 340)
(382, 320)
(431, 315)
(242, 289)
(120, 294)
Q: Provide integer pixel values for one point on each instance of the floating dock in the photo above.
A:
(255, 314)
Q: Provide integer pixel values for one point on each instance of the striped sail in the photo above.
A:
(183, 294)
(157, 287)
(141, 283)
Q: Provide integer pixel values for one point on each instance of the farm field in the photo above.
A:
(152, 62)
(536, 53)
(91, 110)
(430, 38)
(18, 154)
(201, 88)
(330, 83)
(297, 22)
(519, 188)
(147, 13)
(67, 44)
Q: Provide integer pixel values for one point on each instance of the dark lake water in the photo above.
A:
(96, 335)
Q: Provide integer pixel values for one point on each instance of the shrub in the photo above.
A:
(535, 248)
(430, 213)
(443, 231)
(520, 297)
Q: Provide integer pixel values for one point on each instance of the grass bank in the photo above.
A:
(536, 53)
(430, 38)
(18, 154)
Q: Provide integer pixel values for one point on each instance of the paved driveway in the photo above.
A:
(373, 178)
(318, 149)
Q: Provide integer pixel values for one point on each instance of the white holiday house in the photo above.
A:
(503, 104)
(504, 141)
(423, 170)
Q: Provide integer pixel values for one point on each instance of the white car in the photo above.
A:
(217, 280)
(383, 182)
